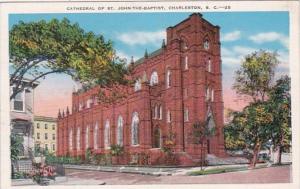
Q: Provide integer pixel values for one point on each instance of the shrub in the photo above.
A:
(116, 150)
(102, 159)
(88, 155)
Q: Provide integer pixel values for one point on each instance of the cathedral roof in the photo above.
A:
(151, 55)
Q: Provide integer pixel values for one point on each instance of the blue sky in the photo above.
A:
(132, 33)
(115, 26)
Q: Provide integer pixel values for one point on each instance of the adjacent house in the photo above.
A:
(44, 133)
(21, 115)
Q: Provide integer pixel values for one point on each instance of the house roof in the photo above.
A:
(27, 80)
(44, 118)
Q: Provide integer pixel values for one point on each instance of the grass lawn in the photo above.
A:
(226, 170)
(216, 171)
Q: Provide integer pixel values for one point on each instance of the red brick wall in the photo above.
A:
(195, 79)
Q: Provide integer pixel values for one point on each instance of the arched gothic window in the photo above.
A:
(96, 128)
(107, 135)
(168, 116)
(206, 44)
(209, 65)
(186, 114)
(135, 129)
(211, 122)
(157, 138)
(78, 138)
(137, 85)
(185, 93)
(80, 106)
(154, 78)
(87, 130)
(207, 93)
(71, 139)
(168, 78)
(156, 112)
(120, 131)
(184, 45)
(186, 62)
(160, 112)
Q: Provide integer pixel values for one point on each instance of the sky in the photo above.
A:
(241, 33)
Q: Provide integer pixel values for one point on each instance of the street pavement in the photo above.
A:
(280, 174)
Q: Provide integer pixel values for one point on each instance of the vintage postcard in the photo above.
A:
(140, 94)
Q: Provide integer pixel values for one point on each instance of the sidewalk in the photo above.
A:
(154, 171)
(59, 181)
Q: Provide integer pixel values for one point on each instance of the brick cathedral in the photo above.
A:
(174, 87)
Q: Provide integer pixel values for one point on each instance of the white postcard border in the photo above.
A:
(61, 7)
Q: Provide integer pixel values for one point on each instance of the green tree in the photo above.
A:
(38, 49)
(232, 137)
(280, 101)
(252, 127)
(16, 146)
(256, 74)
(255, 80)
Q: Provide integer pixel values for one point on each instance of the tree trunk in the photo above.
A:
(255, 154)
(280, 150)
(201, 156)
(279, 155)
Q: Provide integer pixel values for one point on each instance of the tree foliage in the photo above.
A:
(256, 74)
(233, 140)
(41, 48)
(268, 116)
(280, 101)
(252, 127)
(16, 145)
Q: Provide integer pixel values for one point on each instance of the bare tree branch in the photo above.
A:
(15, 92)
